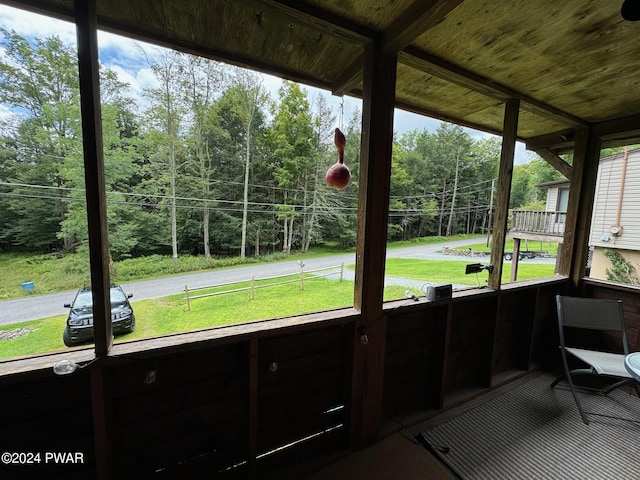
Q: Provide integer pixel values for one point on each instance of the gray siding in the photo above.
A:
(552, 199)
(608, 198)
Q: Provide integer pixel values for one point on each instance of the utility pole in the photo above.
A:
(493, 183)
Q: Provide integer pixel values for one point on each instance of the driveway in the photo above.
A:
(41, 306)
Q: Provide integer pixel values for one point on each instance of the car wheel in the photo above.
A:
(66, 338)
(508, 256)
(132, 328)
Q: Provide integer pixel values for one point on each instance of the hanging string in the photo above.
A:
(341, 109)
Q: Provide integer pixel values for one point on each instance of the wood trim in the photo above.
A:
(618, 128)
(555, 161)
(89, 77)
(503, 192)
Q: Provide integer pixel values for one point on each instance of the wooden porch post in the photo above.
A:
(90, 110)
(379, 84)
(509, 137)
(88, 72)
(573, 260)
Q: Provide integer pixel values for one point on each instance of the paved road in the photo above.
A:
(41, 306)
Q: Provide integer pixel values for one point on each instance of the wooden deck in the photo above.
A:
(538, 225)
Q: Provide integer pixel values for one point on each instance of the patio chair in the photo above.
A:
(593, 314)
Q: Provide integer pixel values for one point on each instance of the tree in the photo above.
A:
(201, 80)
(39, 80)
(249, 98)
(165, 116)
(291, 139)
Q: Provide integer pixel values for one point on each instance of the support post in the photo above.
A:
(575, 245)
(509, 137)
(90, 111)
(379, 84)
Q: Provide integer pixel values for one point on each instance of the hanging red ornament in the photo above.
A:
(338, 176)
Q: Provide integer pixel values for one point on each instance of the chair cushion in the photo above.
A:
(603, 363)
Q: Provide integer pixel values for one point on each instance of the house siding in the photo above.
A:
(552, 199)
(607, 202)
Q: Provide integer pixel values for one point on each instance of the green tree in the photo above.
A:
(291, 139)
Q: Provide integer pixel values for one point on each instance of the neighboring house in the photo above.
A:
(615, 222)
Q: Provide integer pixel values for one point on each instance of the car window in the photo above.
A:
(83, 299)
(117, 295)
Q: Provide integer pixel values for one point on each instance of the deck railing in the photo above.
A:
(531, 221)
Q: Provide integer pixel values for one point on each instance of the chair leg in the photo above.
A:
(557, 380)
(622, 383)
(575, 397)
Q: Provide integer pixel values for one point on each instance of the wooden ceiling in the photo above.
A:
(570, 63)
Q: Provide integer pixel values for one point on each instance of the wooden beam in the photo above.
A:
(573, 260)
(90, 111)
(349, 78)
(562, 140)
(618, 128)
(503, 193)
(555, 161)
(440, 68)
(414, 21)
(373, 207)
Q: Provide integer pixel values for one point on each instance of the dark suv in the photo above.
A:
(80, 320)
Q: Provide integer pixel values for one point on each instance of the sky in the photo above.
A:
(124, 56)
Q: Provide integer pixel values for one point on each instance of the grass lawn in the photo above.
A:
(450, 271)
(169, 314)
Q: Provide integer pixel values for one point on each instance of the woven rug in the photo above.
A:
(394, 458)
(533, 432)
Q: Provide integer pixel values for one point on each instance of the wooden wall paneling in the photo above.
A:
(630, 307)
(305, 398)
(48, 413)
(545, 339)
(512, 339)
(470, 346)
(196, 412)
(253, 408)
(414, 361)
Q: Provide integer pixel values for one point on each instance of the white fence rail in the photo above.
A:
(302, 276)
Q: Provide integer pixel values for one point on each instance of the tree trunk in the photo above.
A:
(246, 192)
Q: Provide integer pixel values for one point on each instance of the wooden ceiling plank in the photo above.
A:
(440, 68)
(317, 19)
(417, 19)
(555, 161)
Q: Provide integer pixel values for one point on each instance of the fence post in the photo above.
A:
(252, 287)
(186, 290)
(341, 270)
(301, 275)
